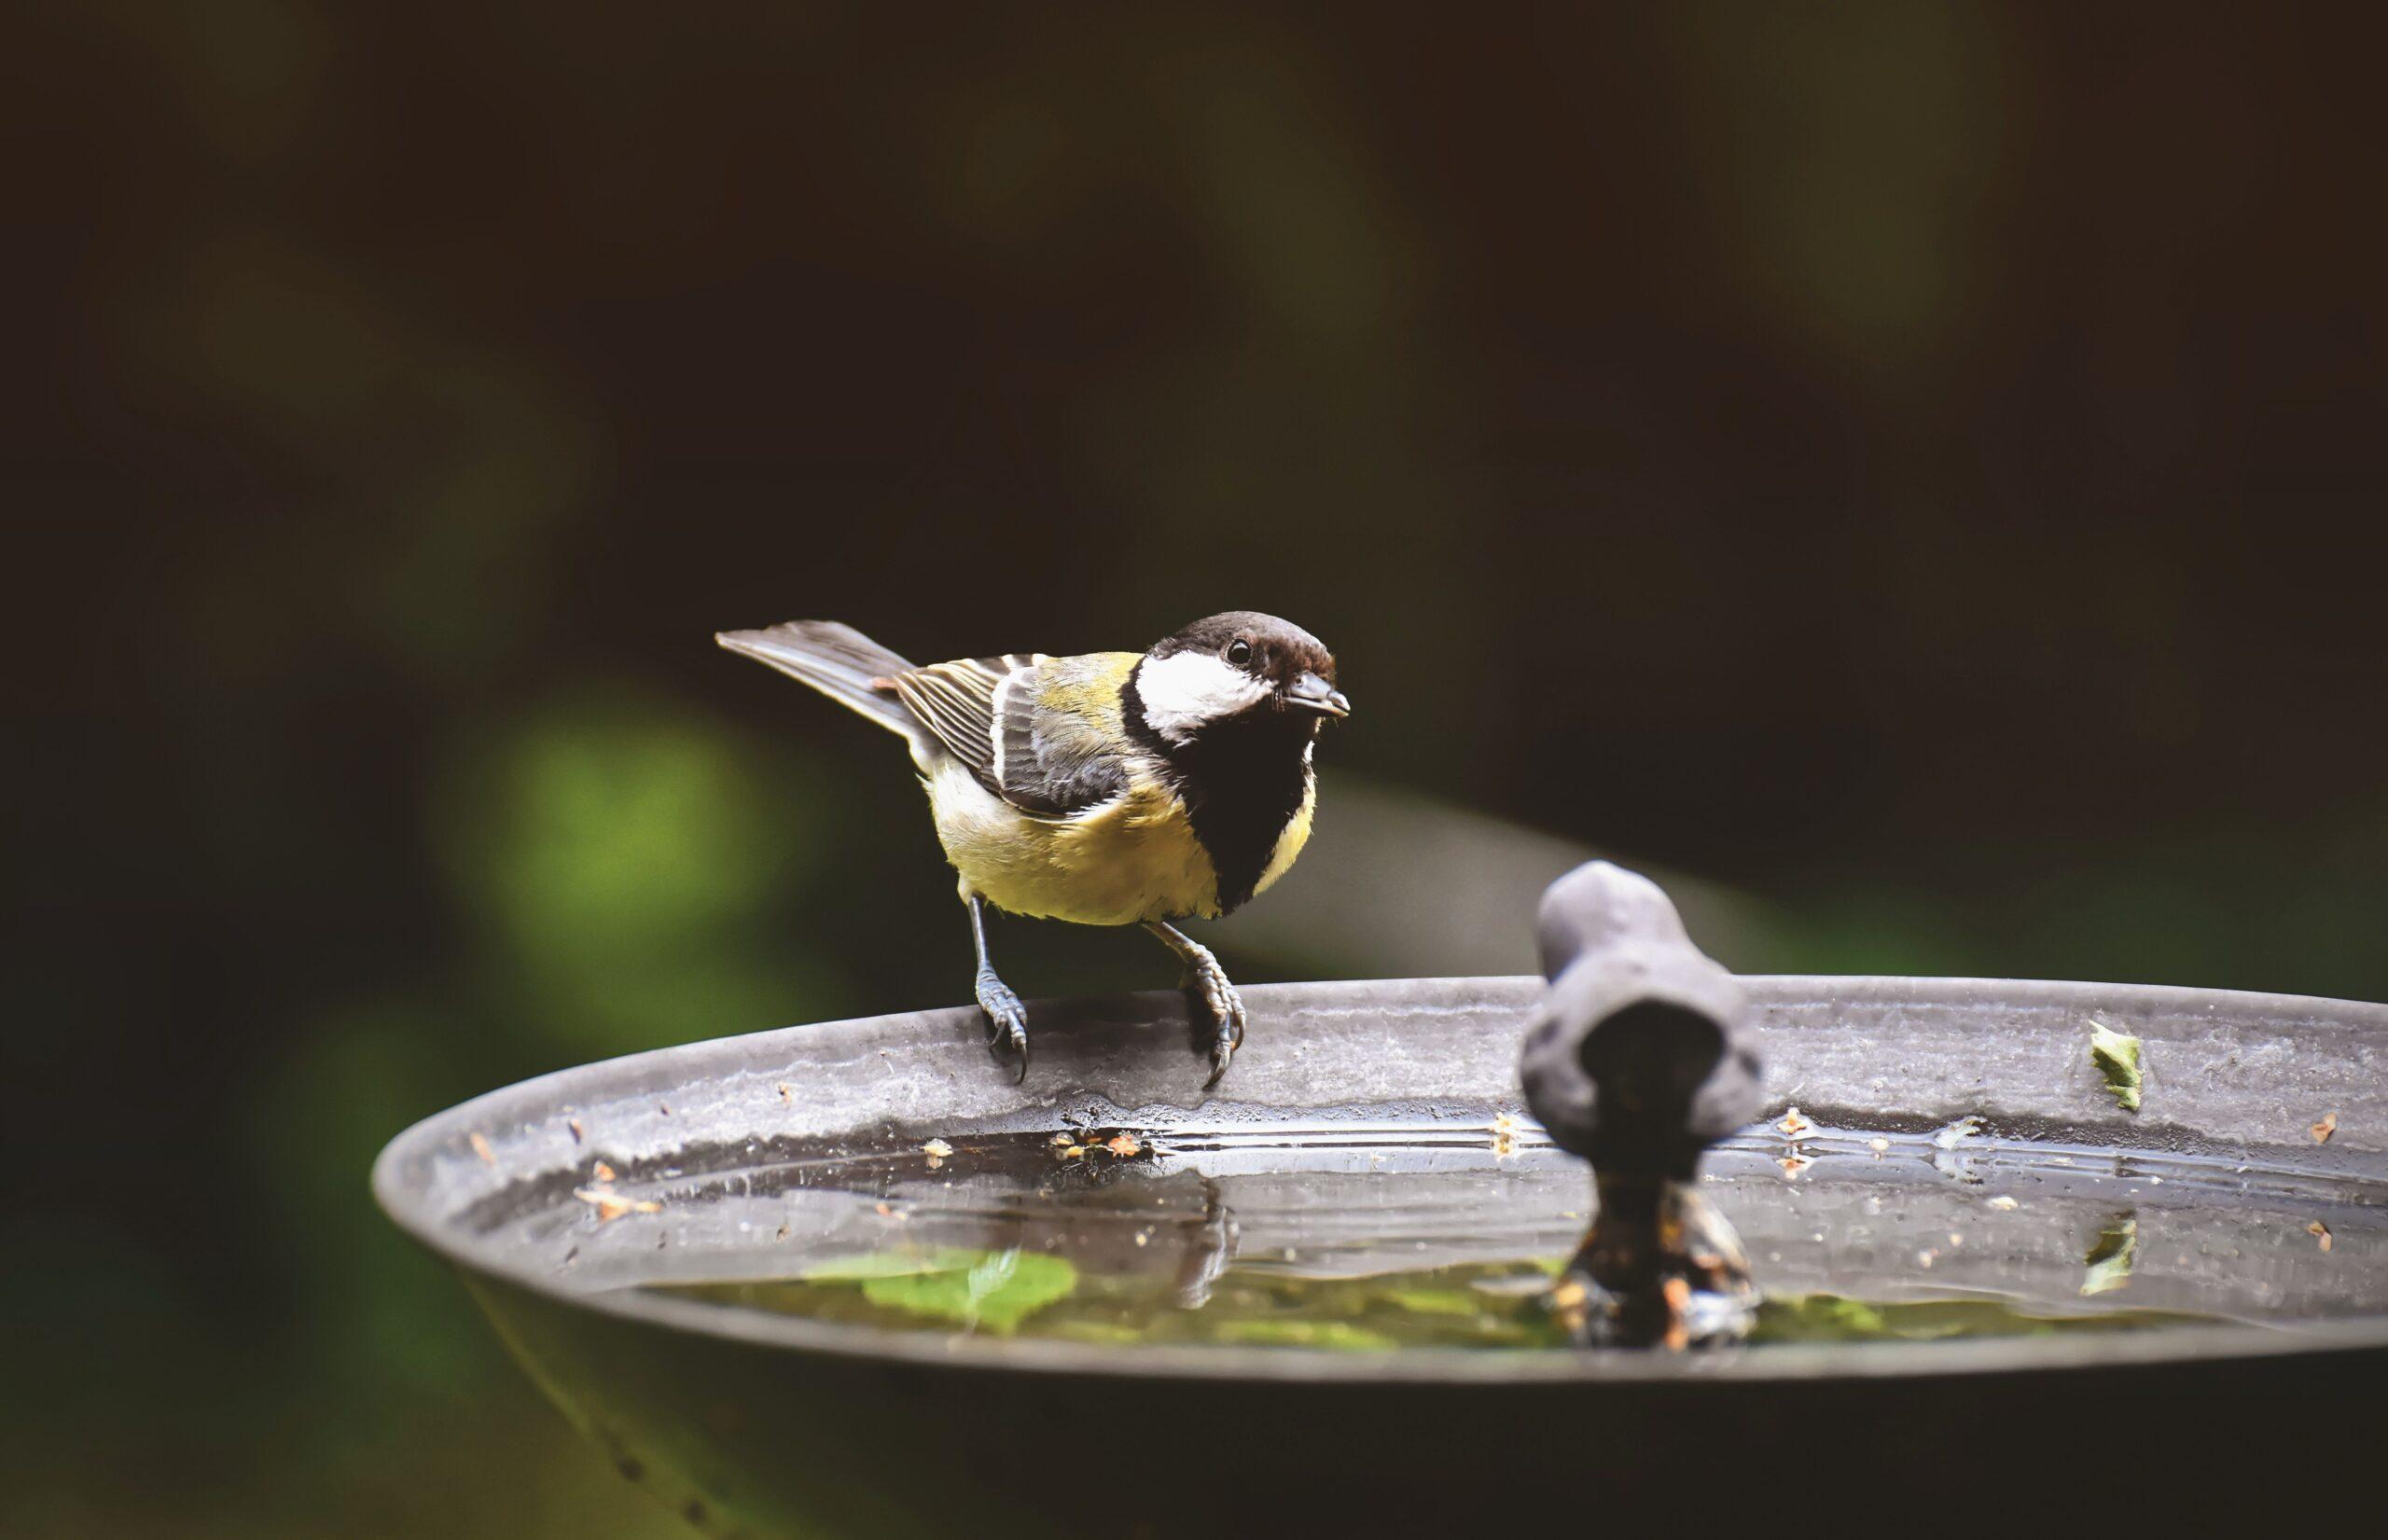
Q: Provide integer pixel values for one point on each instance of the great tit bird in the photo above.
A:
(1113, 788)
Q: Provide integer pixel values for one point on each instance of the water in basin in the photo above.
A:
(1438, 1228)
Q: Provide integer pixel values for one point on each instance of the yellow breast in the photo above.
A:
(1290, 842)
(1132, 859)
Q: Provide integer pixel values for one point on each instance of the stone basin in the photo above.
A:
(1365, 1113)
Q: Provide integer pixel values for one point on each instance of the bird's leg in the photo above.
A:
(1006, 1017)
(1204, 975)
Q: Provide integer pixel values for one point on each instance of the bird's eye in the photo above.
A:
(1238, 652)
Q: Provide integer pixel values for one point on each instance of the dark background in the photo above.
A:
(1914, 467)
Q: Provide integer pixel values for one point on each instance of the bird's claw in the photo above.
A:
(1226, 1008)
(1006, 1022)
(1207, 981)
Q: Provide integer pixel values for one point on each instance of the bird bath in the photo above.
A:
(1302, 1302)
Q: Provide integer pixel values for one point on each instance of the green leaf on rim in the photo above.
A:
(2116, 1057)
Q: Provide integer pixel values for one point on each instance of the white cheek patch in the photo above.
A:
(1185, 691)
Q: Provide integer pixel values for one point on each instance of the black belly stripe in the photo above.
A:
(1241, 833)
(1241, 781)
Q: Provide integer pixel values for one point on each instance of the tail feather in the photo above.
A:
(842, 663)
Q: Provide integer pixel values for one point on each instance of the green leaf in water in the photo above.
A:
(1835, 1318)
(1437, 1302)
(1942, 1320)
(2107, 1265)
(995, 1290)
(2116, 1057)
(887, 1263)
(1340, 1335)
(1109, 1334)
(1816, 1318)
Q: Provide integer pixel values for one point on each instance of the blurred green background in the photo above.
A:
(1911, 470)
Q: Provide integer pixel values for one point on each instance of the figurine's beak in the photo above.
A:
(1311, 693)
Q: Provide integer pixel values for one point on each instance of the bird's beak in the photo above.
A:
(1311, 693)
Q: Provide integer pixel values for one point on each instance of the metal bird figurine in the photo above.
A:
(1640, 1058)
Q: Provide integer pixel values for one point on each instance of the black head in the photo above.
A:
(1241, 666)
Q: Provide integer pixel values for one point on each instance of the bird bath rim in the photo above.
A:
(1313, 1045)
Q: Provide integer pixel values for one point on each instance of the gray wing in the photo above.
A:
(956, 702)
(1042, 733)
(1063, 743)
